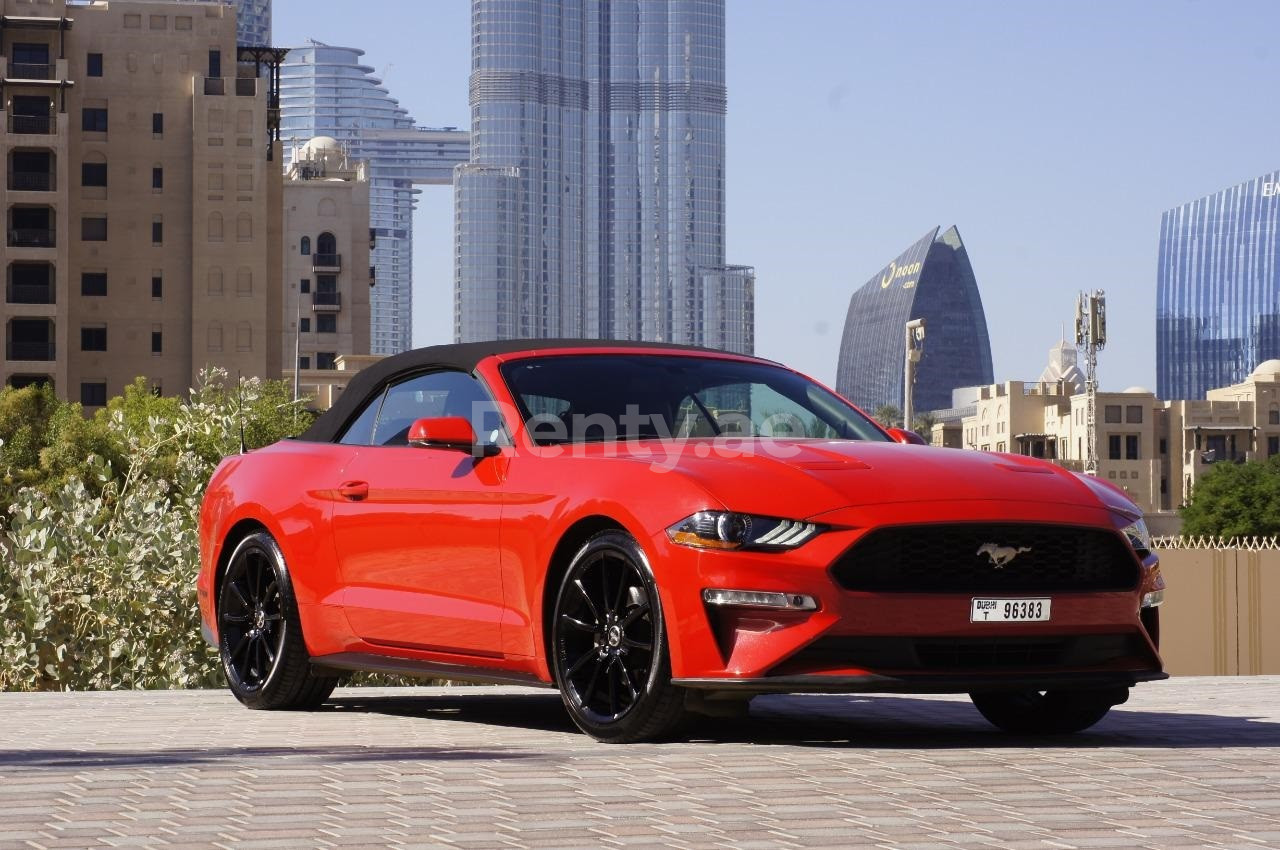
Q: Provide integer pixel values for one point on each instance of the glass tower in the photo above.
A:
(594, 202)
(1218, 288)
(931, 280)
(253, 22)
(326, 91)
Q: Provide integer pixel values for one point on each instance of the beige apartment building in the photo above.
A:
(327, 271)
(143, 197)
(1155, 450)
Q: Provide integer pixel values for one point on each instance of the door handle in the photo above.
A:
(354, 490)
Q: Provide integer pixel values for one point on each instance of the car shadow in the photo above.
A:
(89, 759)
(877, 722)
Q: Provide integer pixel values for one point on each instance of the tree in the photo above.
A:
(1236, 500)
(888, 415)
(924, 424)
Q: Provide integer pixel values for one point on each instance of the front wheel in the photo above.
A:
(1047, 712)
(259, 635)
(609, 645)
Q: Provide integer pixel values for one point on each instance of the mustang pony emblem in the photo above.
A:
(1001, 555)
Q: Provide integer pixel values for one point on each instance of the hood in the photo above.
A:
(803, 478)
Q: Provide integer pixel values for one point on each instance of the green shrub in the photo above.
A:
(97, 586)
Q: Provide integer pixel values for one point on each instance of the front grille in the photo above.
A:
(961, 558)
(904, 654)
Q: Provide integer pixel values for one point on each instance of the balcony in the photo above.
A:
(31, 351)
(32, 237)
(29, 293)
(326, 302)
(33, 125)
(326, 262)
(31, 181)
(246, 87)
(373, 275)
(26, 71)
(215, 86)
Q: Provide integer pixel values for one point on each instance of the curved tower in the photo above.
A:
(931, 280)
(327, 91)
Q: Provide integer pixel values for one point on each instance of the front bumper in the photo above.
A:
(1094, 639)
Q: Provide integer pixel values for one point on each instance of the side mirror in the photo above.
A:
(448, 432)
(910, 438)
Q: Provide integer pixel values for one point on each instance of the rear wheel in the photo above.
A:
(609, 645)
(1047, 712)
(259, 636)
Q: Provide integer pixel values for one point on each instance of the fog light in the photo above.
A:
(1152, 599)
(759, 599)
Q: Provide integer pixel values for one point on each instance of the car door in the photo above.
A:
(416, 529)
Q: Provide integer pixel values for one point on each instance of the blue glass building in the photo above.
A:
(594, 202)
(931, 280)
(1218, 288)
(327, 91)
(253, 22)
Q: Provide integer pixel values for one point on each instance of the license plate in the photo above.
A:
(1009, 610)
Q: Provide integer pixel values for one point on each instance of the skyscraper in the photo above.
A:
(931, 280)
(326, 91)
(253, 22)
(594, 202)
(1218, 288)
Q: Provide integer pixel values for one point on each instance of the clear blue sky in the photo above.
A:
(1052, 134)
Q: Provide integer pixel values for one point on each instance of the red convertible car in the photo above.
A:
(658, 532)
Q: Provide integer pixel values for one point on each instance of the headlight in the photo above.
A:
(728, 530)
(1139, 537)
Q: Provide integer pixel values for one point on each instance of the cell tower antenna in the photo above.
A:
(1091, 335)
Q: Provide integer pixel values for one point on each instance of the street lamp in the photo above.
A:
(914, 348)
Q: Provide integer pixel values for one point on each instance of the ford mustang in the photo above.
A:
(661, 532)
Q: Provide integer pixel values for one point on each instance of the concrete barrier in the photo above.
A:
(1221, 615)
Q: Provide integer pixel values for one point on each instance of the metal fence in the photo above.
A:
(1247, 544)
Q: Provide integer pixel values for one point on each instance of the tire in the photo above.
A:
(259, 635)
(609, 645)
(1047, 712)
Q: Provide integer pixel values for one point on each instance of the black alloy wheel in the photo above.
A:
(259, 636)
(1047, 712)
(609, 649)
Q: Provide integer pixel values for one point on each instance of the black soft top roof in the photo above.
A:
(461, 356)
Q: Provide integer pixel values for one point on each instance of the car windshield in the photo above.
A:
(606, 397)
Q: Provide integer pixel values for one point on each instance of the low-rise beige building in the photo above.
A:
(1153, 449)
(142, 197)
(327, 272)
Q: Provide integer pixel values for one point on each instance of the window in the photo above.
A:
(1273, 416)
(433, 394)
(93, 174)
(93, 65)
(93, 338)
(1164, 446)
(1111, 414)
(305, 249)
(304, 286)
(157, 178)
(157, 287)
(93, 120)
(1131, 447)
(326, 323)
(1273, 446)
(93, 283)
(157, 232)
(304, 363)
(215, 63)
(1113, 446)
(157, 123)
(93, 393)
(304, 326)
(326, 360)
(93, 229)
(1133, 414)
(327, 243)
(157, 342)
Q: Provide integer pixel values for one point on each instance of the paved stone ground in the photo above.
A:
(1190, 762)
